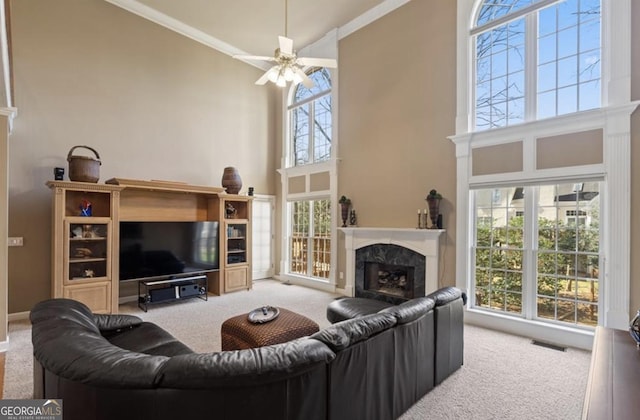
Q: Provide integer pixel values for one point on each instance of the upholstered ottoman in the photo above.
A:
(238, 333)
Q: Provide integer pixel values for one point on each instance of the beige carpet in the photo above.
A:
(503, 377)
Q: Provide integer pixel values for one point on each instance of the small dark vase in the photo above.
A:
(344, 209)
(434, 211)
(231, 180)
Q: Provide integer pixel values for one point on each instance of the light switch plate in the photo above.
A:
(15, 241)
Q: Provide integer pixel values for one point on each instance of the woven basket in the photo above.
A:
(84, 168)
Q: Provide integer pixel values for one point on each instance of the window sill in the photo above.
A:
(551, 333)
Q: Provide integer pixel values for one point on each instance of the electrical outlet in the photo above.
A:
(15, 241)
(341, 275)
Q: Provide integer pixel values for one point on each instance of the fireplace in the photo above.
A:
(389, 279)
(389, 272)
(410, 256)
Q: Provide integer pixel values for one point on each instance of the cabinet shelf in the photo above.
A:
(86, 260)
(88, 279)
(87, 220)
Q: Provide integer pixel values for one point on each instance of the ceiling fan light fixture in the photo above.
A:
(288, 74)
(281, 82)
(273, 74)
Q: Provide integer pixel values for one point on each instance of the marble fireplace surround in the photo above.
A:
(422, 241)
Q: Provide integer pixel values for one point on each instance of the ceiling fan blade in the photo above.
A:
(286, 45)
(308, 83)
(317, 62)
(254, 57)
(263, 79)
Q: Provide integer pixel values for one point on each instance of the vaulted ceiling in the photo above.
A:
(252, 26)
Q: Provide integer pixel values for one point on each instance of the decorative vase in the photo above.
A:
(634, 328)
(231, 180)
(344, 209)
(434, 211)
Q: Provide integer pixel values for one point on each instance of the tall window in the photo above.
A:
(558, 227)
(310, 116)
(308, 203)
(536, 59)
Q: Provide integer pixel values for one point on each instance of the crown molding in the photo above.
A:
(370, 16)
(197, 35)
(176, 25)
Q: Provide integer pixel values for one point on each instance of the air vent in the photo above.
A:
(548, 345)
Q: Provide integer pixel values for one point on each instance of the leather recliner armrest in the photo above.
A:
(448, 294)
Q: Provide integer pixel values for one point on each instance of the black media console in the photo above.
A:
(160, 291)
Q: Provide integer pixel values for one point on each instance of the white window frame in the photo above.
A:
(613, 118)
(311, 102)
(530, 262)
(530, 16)
(325, 47)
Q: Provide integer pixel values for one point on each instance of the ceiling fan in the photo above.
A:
(288, 66)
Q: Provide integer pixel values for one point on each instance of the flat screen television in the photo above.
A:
(161, 250)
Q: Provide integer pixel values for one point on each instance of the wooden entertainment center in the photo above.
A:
(86, 228)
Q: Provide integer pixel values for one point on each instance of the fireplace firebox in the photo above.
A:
(423, 242)
(389, 279)
(389, 272)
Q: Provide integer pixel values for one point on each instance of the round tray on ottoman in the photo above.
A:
(239, 333)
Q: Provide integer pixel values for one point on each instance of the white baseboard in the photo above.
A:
(4, 345)
(18, 316)
(312, 284)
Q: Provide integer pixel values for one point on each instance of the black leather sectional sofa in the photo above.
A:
(371, 366)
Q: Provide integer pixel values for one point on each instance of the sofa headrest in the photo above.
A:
(259, 365)
(117, 322)
(411, 310)
(343, 334)
(448, 294)
(353, 307)
(68, 309)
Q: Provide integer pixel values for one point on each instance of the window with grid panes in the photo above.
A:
(535, 59)
(310, 239)
(533, 261)
(310, 119)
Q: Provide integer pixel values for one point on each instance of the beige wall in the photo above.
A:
(396, 108)
(154, 104)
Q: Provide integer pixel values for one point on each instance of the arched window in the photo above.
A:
(310, 121)
(535, 59)
(308, 223)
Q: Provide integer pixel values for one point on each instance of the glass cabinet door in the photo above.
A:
(87, 250)
(236, 243)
